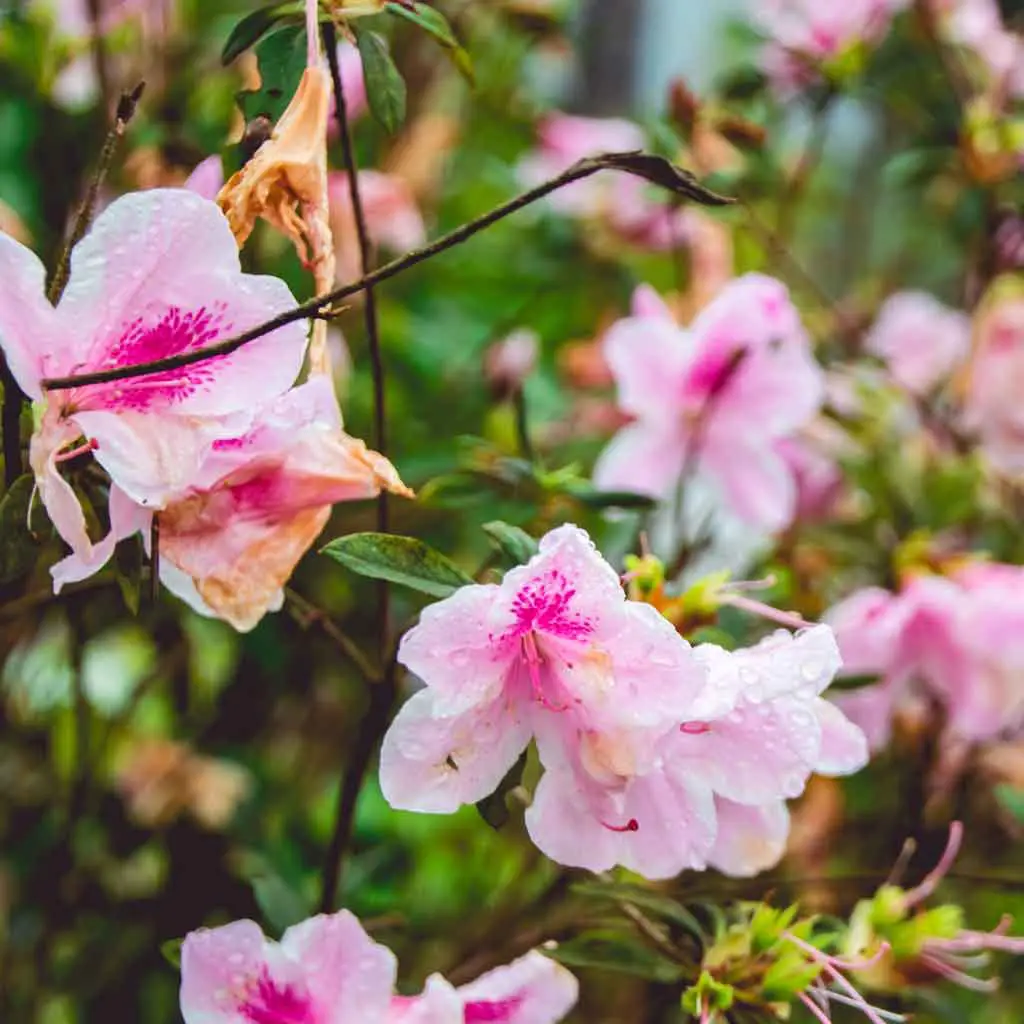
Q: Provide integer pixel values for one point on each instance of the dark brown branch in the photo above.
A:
(652, 168)
(125, 111)
(382, 695)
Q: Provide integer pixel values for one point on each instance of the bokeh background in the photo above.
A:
(159, 771)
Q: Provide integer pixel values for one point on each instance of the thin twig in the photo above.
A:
(101, 65)
(125, 111)
(308, 614)
(318, 306)
(373, 726)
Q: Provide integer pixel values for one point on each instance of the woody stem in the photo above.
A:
(320, 306)
(382, 695)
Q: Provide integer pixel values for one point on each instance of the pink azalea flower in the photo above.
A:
(207, 178)
(805, 33)
(554, 652)
(993, 407)
(157, 275)
(954, 641)
(326, 970)
(921, 340)
(715, 790)
(532, 990)
(714, 399)
(393, 219)
(231, 539)
(351, 66)
(978, 25)
(817, 477)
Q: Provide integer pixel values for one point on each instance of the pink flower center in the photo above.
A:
(545, 605)
(269, 1003)
(142, 341)
(486, 1013)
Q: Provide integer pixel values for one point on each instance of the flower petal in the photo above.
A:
(844, 747)
(158, 275)
(232, 975)
(750, 839)
(27, 320)
(648, 356)
(531, 990)
(437, 763)
(453, 649)
(644, 458)
(349, 976)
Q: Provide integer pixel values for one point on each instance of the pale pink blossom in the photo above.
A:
(714, 399)
(803, 34)
(952, 642)
(350, 64)
(532, 990)
(157, 275)
(326, 970)
(993, 407)
(393, 219)
(207, 178)
(508, 362)
(978, 26)
(921, 341)
(554, 652)
(714, 791)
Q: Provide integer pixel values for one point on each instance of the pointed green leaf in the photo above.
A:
(515, 544)
(656, 903)
(403, 560)
(252, 28)
(613, 951)
(385, 87)
(281, 57)
(171, 952)
(433, 22)
(18, 548)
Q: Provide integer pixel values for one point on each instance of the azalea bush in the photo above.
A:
(465, 559)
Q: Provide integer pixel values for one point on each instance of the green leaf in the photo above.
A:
(612, 951)
(588, 495)
(128, 569)
(281, 905)
(433, 22)
(494, 808)
(385, 87)
(19, 549)
(171, 952)
(405, 560)
(252, 28)
(281, 57)
(1011, 798)
(658, 904)
(515, 544)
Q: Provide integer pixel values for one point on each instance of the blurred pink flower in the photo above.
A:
(993, 404)
(816, 475)
(532, 990)
(921, 341)
(393, 219)
(715, 398)
(624, 203)
(554, 652)
(326, 970)
(953, 641)
(804, 34)
(507, 363)
(978, 26)
(157, 275)
(352, 82)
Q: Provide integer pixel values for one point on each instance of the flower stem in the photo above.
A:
(382, 695)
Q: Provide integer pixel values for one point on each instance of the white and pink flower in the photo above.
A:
(714, 399)
(920, 340)
(327, 970)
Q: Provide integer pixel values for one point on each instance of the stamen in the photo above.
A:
(695, 728)
(816, 1011)
(931, 881)
(886, 1015)
(533, 662)
(631, 826)
(84, 448)
(950, 973)
(791, 620)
